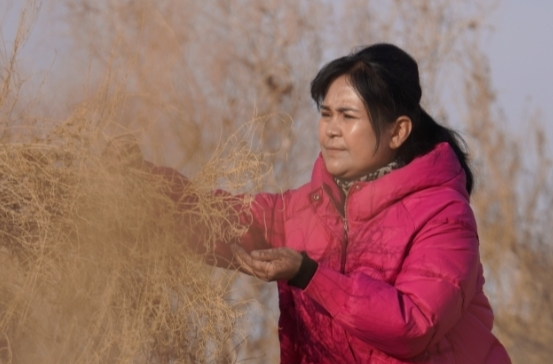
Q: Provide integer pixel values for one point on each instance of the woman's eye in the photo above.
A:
(325, 115)
(346, 116)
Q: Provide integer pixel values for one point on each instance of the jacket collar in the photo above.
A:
(365, 199)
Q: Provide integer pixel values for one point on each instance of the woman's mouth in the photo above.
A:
(334, 151)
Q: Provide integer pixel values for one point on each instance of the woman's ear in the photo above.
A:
(400, 131)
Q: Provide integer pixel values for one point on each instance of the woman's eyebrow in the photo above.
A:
(346, 109)
(340, 109)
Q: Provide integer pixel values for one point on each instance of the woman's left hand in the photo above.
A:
(269, 264)
(124, 151)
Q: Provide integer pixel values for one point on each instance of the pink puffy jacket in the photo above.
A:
(399, 278)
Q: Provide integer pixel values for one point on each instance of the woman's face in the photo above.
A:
(347, 137)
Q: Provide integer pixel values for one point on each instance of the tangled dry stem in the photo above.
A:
(96, 263)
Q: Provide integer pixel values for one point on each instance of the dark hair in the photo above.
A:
(387, 80)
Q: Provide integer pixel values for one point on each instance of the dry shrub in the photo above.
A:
(95, 259)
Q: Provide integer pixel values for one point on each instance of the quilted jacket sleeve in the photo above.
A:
(435, 285)
(264, 217)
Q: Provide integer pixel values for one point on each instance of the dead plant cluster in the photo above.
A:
(97, 260)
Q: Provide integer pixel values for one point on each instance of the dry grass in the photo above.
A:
(95, 262)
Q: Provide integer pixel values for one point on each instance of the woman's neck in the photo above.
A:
(345, 184)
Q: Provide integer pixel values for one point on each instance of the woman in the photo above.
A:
(389, 270)
(376, 257)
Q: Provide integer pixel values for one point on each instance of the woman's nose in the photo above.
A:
(333, 129)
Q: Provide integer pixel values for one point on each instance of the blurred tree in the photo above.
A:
(11, 73)
(196, 71)
(514, 196)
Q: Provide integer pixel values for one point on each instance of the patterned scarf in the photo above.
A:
(345, 185)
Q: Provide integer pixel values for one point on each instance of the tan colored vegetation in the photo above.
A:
(95, 263)
(185, 75)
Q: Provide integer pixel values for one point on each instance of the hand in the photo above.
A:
(269, 264)
(123, 151)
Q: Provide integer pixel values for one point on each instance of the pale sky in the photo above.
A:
(520, 50)
(521, 59)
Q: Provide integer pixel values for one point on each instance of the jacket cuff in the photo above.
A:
(307, 270)
(330, 289)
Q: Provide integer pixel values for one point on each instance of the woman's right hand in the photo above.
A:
(269, 264)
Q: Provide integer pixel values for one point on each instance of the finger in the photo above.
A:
(261, 268)
(248, 264)
(245, 268)
(240, 252)
(256, 267)
(242, 260)
(267, 254)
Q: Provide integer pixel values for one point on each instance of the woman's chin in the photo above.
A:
(338, 172)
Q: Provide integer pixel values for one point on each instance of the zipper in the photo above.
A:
(346, 238)
(346, 231)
